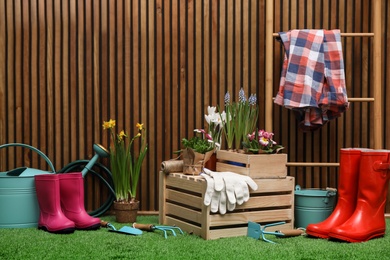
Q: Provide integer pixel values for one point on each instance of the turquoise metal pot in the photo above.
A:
(313, 205)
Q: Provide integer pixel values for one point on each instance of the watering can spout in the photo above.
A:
(100, 151)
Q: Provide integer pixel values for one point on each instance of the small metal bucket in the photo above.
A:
(18, 201)
(313, 205)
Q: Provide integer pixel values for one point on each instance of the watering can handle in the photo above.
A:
(33, 149)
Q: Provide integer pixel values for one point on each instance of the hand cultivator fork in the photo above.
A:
(257, 231)
(151, 227)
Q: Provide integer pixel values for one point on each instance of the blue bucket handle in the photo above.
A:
(33, 149)
(330, 193)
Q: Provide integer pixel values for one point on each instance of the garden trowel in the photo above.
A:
(123, 230)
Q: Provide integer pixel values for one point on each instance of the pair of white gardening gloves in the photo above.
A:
(226, 189)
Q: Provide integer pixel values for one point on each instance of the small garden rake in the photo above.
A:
(151, 227)
(256, 231)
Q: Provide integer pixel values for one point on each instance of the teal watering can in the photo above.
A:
(18, 202)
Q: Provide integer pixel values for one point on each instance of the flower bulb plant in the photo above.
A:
(124, 162)
(214, 121)
(241, 118)
(261, 142)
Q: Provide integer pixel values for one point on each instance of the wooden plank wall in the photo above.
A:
(65, 66)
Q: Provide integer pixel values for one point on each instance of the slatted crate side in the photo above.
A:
(181, 204)
(184, 213)
(254, 165)
(186, 182)
(179, 197)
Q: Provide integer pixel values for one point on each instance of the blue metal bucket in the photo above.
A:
(18, 201)
(313, 205)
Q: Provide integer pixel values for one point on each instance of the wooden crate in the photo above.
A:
(181, 204)
(253, 165)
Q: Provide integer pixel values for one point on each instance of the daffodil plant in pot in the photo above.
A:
(126, 165)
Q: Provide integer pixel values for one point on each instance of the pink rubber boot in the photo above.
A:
(72, 201)
(51, 217)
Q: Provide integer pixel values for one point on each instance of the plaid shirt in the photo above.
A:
(312, 81)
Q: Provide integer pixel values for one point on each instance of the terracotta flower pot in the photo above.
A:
(211, 164)
(126, 212)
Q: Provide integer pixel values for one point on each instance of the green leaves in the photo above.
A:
(241, 119)
(261, 142)
(198, 144)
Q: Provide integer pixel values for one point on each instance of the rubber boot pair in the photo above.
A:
(61, 202)
(363, 184)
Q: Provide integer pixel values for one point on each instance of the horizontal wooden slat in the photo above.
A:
(188, 214)
(264, 216)
(184, 198)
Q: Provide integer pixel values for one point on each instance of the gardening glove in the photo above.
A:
(237, 187)
(215, 192)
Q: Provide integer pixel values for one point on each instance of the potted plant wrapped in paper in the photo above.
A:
(126, 169)
(197, 151)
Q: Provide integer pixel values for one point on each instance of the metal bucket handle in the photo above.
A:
(33, 149)
(330, 192)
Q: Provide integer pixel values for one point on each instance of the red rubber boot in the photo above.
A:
(51, 217)
(368, 219)
(72, 201)
(347, 194)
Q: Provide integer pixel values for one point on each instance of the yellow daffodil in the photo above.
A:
(109, 124)
(121, 135)
(139, 126)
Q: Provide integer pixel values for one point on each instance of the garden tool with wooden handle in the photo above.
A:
(257, 231)
(289, 233)
(151, 227)
(124, 230)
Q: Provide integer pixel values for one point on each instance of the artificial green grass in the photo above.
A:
(31, 243)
